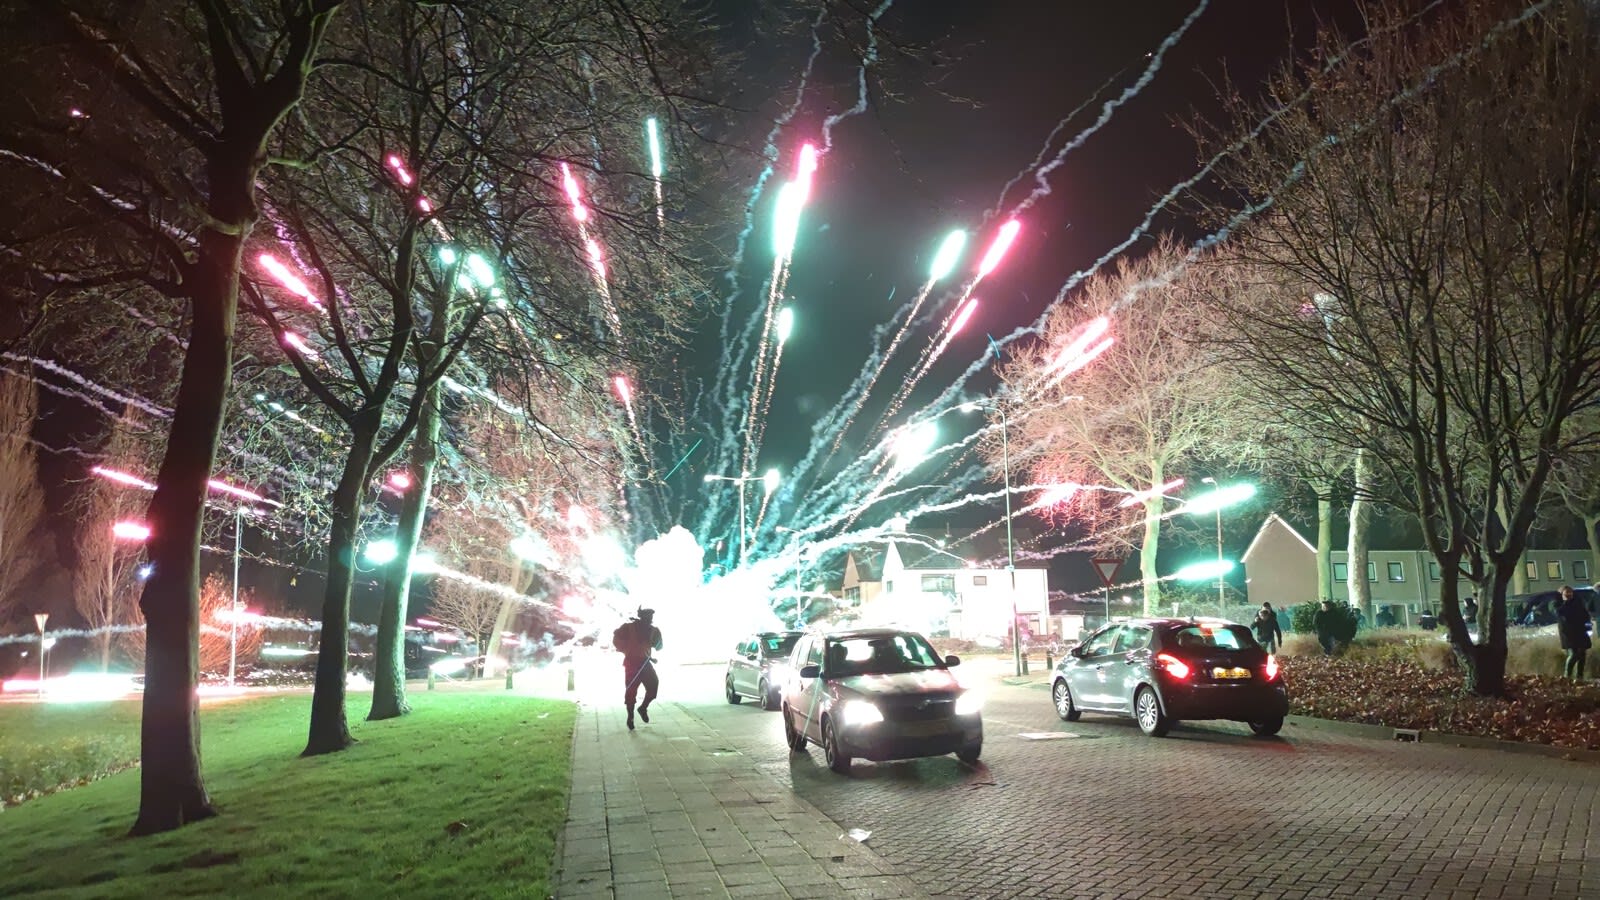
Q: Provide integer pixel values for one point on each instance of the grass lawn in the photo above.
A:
(379, 819)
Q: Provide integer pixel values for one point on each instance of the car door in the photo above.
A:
(1129, 661)
(1088, 676)
(749, 666)
(736, 666)
(812, 693)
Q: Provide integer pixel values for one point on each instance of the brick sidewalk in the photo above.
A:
(671, 811)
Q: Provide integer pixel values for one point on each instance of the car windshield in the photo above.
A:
(880, 655)
(779, 644)
(1200, 637)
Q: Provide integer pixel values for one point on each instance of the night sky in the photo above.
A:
(967, 119)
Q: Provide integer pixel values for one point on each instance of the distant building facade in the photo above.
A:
(915, 584)
(1280, 567)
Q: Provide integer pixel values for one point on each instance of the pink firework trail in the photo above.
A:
(990, 261)
(290, 282)
(961, 319)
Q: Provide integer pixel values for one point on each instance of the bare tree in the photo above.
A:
(21, 496)
(151, 125)
(104, 584)
(1428, 282)
(1128, 418)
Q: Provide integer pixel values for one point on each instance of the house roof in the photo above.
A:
(1274, 521)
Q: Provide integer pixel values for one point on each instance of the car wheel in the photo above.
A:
(1147, 710)
(1267, 727)
(837, 761)
(970, 753)
(733, 695)
(769, 697)
(1062, 695)
(796, 740)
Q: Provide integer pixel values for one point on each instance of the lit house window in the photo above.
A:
(1372, 571)
(1397, 571)
(1341, 572)
(980, 581)
(1552, 570)
(938, 584)
(1532, 568)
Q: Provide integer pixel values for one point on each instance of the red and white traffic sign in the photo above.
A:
(1107, 567)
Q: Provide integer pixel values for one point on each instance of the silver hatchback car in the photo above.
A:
(759, 666)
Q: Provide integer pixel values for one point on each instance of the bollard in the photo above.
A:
(430, 678)
(1049, 661)
(508, 678)
(1024, 665)
(571, 682)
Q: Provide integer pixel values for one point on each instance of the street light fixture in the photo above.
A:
(1011, 552)
(769, 480)
(1215, 501)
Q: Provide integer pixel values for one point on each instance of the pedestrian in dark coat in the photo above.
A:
(1325, 621)
(1572, 624)
(1268, 634)
(635, 639)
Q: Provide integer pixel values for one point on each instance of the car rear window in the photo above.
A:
(1225, 637)
(779, 644)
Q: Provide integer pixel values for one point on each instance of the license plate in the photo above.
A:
(1227, 674)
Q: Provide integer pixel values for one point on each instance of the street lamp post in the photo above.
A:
(233, 620)
(769, 480)
(1221, 581)
(41, 618)
(1011, 552)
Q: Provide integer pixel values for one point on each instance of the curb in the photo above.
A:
(1424, 736)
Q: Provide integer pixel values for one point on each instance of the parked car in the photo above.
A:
(878, 694)
(1539, 608)
(1163, 670)
(758, 667)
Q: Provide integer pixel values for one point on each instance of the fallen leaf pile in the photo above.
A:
(1401, 694)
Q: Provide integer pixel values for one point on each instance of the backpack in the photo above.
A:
(622, 637)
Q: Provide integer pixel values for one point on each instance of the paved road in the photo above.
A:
(1095, 809)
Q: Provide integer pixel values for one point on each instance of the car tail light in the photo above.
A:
(1175, 667)
(1272, 667)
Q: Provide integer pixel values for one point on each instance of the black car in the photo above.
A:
(758, 667)
(1164, 670)
(878, 694)
(1540, 608)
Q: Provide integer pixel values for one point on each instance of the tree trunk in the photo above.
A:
(1519, 572)
(1147, 551)
(1590, 523)
(389, 676)
(105, 649)
(522, 580)
(171, 791)
(1360, 520)
(1324, 542)
(330, 731)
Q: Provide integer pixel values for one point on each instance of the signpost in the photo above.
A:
(1107, 568)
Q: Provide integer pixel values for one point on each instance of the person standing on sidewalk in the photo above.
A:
(1268, 634)
(1572, 623)
(635, 639)
(1325, 622)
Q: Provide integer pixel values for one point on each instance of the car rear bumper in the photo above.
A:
(911, 740)
(1240, 702)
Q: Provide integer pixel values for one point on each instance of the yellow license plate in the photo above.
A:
(1235, 672)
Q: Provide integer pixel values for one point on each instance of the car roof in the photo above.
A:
(776, 633)
(1174, 622)
(852, 633)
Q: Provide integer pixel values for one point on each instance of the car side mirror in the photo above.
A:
(952, 660)
(811, 671)
(1076, 651)
(749, 656)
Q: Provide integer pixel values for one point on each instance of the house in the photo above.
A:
(912, 581)
(1280, 566)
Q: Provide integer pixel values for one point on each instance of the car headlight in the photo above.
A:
(778, 673)
(859, 712)
(969, 704)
